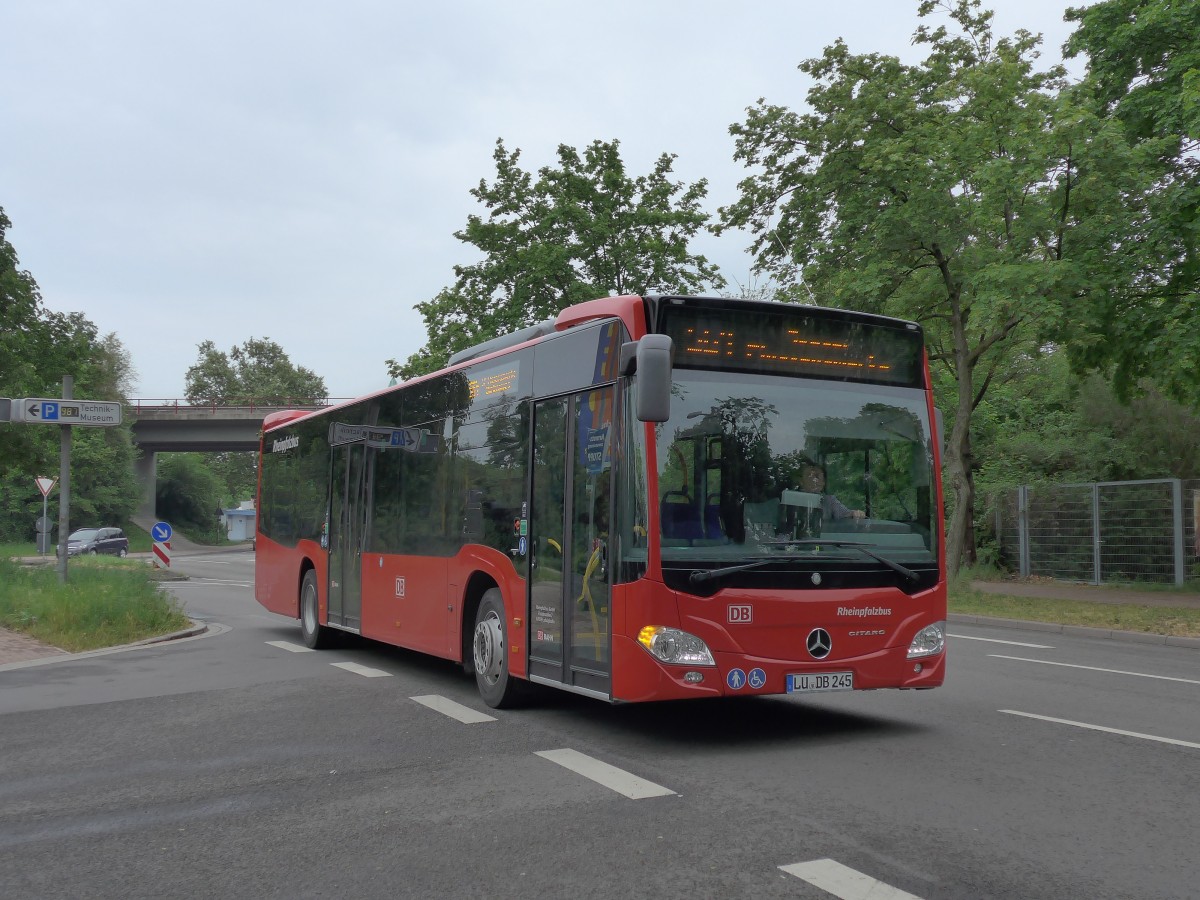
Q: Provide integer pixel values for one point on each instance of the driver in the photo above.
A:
(812, 479)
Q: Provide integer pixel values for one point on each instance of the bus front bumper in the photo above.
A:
(637, 676)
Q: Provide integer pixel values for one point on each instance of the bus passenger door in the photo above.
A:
(569, 583)
(347, 526)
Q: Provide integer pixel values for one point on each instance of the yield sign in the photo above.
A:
(45, 485)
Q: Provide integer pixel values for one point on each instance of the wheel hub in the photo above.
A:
(489, 648)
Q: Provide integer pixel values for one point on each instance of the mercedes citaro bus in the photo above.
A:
(645, 498)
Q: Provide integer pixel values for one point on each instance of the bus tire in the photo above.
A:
(316, 635)
(498, 687)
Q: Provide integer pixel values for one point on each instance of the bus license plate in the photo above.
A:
(811, 682)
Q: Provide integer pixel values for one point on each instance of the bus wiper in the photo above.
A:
(709, 574)
(853, 545)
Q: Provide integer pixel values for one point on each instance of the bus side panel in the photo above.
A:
(277, 574)
(404, 602)
(418, 602)
(476, 559)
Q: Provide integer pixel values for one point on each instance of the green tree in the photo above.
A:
(258, 371)
(943, 192)
(37, 348)
(188, 492)
(1144, 72)
(578, 230)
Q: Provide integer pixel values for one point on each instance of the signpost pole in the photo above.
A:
(44, 543)
(64, 483)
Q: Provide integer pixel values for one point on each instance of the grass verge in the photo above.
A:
(105, 603)
(1168, 620)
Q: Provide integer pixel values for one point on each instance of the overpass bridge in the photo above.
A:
(164, 426)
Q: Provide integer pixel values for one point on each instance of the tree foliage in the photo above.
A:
(258, 371)
(37, 348)
(1143, 75)
(947, 192)
(188, 492)
(577, 230)
(1052, 427)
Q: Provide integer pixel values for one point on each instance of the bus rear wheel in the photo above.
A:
(316, 635)
(499, 689)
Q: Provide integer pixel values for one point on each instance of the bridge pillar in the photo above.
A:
(145, 471)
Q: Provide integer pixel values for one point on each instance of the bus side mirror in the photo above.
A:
(654, 378)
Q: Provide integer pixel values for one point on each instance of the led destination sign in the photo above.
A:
(800, 343)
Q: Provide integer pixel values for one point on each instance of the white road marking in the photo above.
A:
(293, 648)
(1046, 662)
(364, 671)
(448, 707)
(963, 637)
(842, 881)
(1121, 731)
(602, 773)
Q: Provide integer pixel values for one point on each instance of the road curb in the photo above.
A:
(197, 629)
(1131, 637)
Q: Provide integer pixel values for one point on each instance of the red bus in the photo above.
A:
(642, 499)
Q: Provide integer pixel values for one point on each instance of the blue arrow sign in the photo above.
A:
(161, 532)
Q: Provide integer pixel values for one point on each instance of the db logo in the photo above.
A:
(741, 615)
(400, 587)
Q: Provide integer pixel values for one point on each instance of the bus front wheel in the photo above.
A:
(497, 686)
(316, 635)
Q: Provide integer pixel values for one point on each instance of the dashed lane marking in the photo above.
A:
(602, 773)
(290, 647)
(842, 881)
(1046, 662)
(1104, 728)
(448, 707)
(364, 671)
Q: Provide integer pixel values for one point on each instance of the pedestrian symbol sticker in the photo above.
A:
(736, 679)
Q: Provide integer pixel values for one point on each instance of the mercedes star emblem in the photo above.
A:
(819, 643)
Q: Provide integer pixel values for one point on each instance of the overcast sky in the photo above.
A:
(293, 169)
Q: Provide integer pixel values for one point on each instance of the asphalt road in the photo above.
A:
(233, 765)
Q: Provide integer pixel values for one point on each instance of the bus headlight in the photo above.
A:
(670, 645)
(929, 641)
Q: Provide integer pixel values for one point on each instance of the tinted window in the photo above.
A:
(578, 358)
(295, 477)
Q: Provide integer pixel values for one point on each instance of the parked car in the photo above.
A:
(96, 540)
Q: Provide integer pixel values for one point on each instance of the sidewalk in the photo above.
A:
(17, 647)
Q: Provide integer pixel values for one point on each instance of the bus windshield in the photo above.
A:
(750, 465)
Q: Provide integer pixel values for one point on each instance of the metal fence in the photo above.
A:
(1102, 532)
